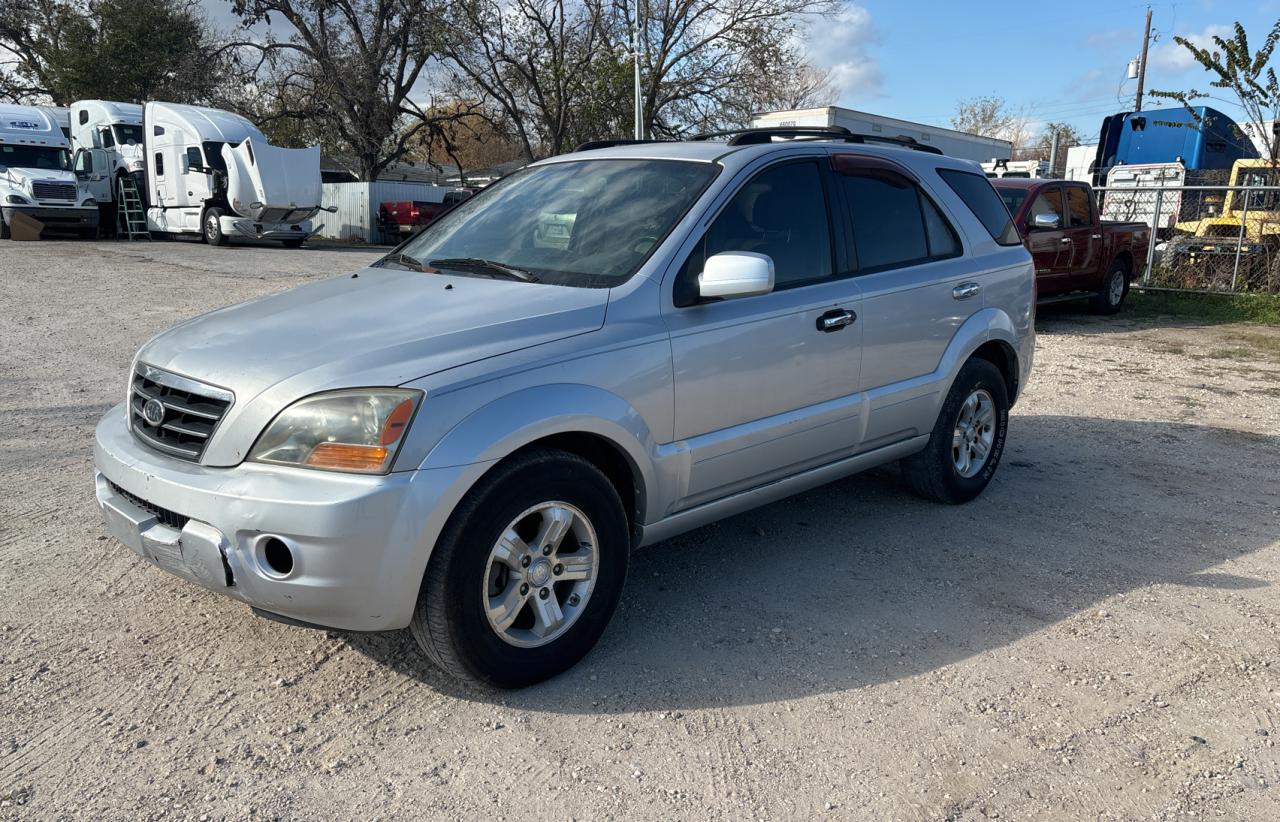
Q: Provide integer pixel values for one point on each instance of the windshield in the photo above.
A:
(1013, 198)
(587, 223)
(48, 157)
(128, 135)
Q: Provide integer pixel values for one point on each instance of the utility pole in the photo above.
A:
(1053, 153)
(635, 53)
(1142, 62)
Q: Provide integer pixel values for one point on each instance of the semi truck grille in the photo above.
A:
(174, 414)
(166, 517)
(54, 191)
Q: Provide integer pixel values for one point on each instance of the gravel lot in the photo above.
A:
(1096, 637)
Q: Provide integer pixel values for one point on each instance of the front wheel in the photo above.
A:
(967, 440)
(527, 573)
(212, 233)
(1115, 286)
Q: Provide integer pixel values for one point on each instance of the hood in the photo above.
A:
(21, 179)
(382, 327)
(276, 179)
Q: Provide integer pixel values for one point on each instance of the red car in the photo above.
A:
(399, 218)
(1077, 255)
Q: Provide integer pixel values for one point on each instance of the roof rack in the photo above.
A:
(592, 145)
(759, 136)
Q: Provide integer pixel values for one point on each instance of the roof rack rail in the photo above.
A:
(592, 145)
(758, 136)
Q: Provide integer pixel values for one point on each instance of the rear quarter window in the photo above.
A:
(978, 194)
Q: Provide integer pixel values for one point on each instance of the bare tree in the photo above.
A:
(356, 65)
(703, 60)
(797, 86)
(532, 61)
(991, 116)
(1246, 75)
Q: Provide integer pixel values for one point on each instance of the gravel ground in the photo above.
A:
(1096, 637)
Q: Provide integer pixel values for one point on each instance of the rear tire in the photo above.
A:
(971, 426)
(1115, 287)
(488, 606)
(211, 231)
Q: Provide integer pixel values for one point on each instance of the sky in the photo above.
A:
(1058, 61)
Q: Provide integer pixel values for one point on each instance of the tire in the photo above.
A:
(292, 243)
(934, 473)
(466, 576)
(211, 228)
(1115, 287)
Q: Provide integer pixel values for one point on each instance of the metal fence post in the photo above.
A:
(1155, 232)
(1244, 220)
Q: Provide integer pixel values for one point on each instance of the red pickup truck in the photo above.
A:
(399, 218)
(1076, 254)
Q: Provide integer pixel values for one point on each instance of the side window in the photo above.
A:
(194, 161)
(108, 141)
(888, 226)
(1048, 201)
(986, 205)
(159, 164)
(84, 162)
(1078, 207)
(943, 241)
(84, 117)
(781, 212)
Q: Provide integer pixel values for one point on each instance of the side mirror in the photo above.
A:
(330, 209)
(732, 274)
(1046, 221)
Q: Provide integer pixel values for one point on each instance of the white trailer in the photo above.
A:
(212, 174)
(36, 177)
(1025, 169)
(1080, 163)
(949, 141)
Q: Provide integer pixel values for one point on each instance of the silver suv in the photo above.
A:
(596, 353)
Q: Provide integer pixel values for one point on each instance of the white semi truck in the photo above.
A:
(949, 141)
(36, 177)
(207, 172)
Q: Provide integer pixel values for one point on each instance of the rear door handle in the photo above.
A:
(836, 319)
(966, 290)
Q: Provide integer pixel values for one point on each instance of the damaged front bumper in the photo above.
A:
(357, 544)
(243, 227)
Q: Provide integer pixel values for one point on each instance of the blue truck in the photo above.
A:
(1201, 138)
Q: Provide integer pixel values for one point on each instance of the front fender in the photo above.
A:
(515, 420)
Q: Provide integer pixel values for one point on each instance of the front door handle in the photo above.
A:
(836, 319)
(1065, 240)
(966, 290)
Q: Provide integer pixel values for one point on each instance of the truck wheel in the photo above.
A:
(527, 573)
(967, 440)
(212, 233)
(1115, 287)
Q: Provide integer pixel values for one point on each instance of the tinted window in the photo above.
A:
(943, 241)
(986, 205)
(213, 151)
(1013, 198)
(193, 158)
(1078, 207)
(888, 227)
(107, 140)
(159, 164)
(781, 212)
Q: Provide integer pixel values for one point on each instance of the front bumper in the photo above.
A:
(54, 217)
(244, 227)
(359, 544)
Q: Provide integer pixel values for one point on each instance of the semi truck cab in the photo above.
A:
(36, 176)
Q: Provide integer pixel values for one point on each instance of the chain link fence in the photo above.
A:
(1206, 238)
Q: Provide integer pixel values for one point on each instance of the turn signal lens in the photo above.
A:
(337, 456)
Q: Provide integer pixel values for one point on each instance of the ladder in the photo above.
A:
(131, 219)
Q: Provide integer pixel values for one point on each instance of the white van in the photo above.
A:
(212, 173)
(36, 177)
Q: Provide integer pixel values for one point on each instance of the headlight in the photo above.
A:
(89, 201)
(135, 165)
(17, 199)
(358, 431)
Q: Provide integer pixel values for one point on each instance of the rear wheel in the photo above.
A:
(212, 233)
(967, 440)
(527, 573)
(1115, 286)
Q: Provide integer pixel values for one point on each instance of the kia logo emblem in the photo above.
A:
(153, 412)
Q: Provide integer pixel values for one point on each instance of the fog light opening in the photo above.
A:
(277, 556)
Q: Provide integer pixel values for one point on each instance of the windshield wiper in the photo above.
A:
(491, 266)
(402, 259)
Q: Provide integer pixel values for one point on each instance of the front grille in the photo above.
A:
(184, 412)
(54, 191)
(273, 215)
(166, 517)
